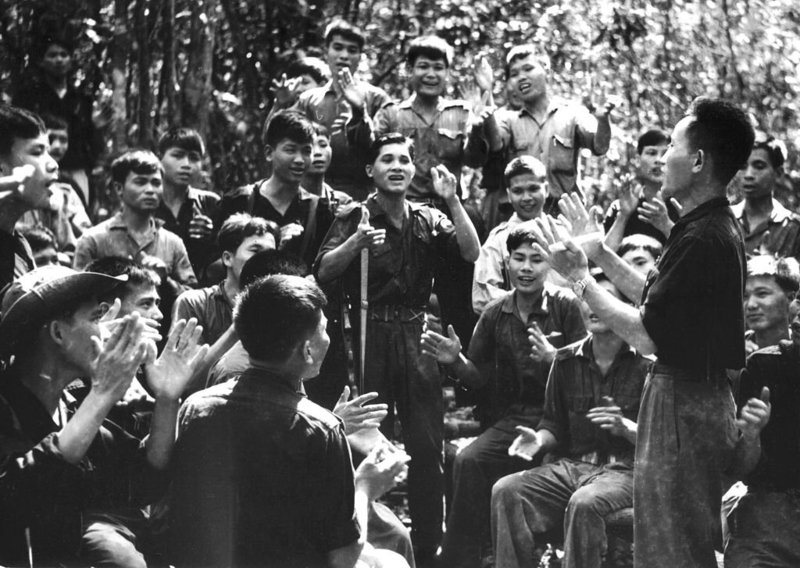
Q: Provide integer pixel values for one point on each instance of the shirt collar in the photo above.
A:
(118, 223)
(703, 209)
(779, 213)
(553, 105)
(375, 210)
(540, 308)
(585, 350)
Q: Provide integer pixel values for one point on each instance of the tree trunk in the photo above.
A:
(196, 95)
(144, 111)
(119, 61)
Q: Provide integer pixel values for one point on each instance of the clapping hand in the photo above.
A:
(527, 443)
(169, 375)
(755, 415)
(285, 91)
(353, 94)
(356, 414)
(541, 348)
(444, 350)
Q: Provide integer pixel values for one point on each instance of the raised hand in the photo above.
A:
(483, 74)
(584, 226)
(755, 415)
(285, 91)
(444, 350)
(356, 414)
(201, 227)
(541, 349)
(445, 184)
(169, 375)
(353, 94)
(560, 249)
(377, 473)
(15, 182)
(612, 102)
(628, 198)
(289, 232)
(655, 212)
(119, 357)
(527, 443)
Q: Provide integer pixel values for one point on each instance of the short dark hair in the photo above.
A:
(640, 241)
(136, 161)
(430, 46)
(294, 306)
(17, 124)
(269, 262)
(785, 271)
(385, 140)
(121, 266)
(524, 233)
(524, 165)
(39, 237)
(653, 137)
(320, 130)
(287, 125)
(523, 51)
(239, 226)
(773, 148)
(314, 67)
(346, 30)
(724, 131)
(54, 122)
(187, 139)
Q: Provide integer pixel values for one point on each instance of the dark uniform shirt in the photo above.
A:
(210, 306)
(576, 385)
(692, 299)
(783, 227)
(262, 477)
(16, 259)
(39, 490)
(776, 367)
(202, 252)
(400, 270)
(501, 337)
(240, 200)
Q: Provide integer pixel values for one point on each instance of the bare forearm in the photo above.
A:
(334, 263)
(161, 440)
(467, 372)
(617, 232)
(622, 275)
(602, 137)
(77, 435)
(630, 430)
(624, 319)
(466, 235)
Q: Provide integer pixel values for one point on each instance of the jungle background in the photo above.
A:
(209, 64)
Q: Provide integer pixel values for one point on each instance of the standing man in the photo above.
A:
(405, 243)
(340, 100)
(548, 128)
(768, 226)
(691, 318)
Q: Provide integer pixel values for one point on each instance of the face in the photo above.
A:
(250, 246)
(527, 193)
(181, 167)
(48, 256)
(528, 269)
(141, 192)
(59, 143)
(76, 333)
(594, 324)
(641, 260)
(758, 178)
(306, 83)
(343, 53)
(317, 346)
(678, 163)
(428, 77)
(794, 321)
(393, 169)
(34, 152)
(321, 154)
(527, 78)
(648, 168)
(290, 160)
(144, 300)
(57, 60)
(765, 305)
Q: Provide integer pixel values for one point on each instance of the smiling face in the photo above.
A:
(526, 194)
(144, 300)
(141, 192)
(34, 152)
(290, 160)
(393, 168)
(181, 166)
(758, 178)
(428, 77)
(766, 305)
(528, 78)
(343, 53)
(527, 269)
(648, 166)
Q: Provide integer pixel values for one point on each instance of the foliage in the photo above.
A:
(210, 63)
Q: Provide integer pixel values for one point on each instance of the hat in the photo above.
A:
(43, 293)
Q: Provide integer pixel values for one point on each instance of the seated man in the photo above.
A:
(770, 287)
(280, 489)
(526, 182)
(591, 403)
(514, 370)
(72, 483)
(765, 523)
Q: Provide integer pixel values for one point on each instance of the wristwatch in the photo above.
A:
(579, 287)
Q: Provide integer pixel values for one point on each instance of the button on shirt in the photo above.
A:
(692, 299)
(442, 140)
(576, 385)
(783, 227)
(557, 141)
(501, 336)
(111, 238)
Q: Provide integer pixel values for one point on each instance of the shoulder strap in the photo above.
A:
(311, 225)
(255, 189)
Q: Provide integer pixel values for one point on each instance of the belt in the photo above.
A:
(690, 375)
(400, 314)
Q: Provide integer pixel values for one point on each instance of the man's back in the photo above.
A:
(263, 476)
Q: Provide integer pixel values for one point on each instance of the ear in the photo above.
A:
(546, 188)
(368, 169)
(227, 258)
(56, 331)
(117, 187)
(305, 351)
(700, 161)
(268, 151)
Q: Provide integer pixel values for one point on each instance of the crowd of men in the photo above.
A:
(236, 378)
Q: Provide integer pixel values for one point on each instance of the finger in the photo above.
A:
(366, 397)
(199, 356)
(765, 395)
(364, 216)
(676, 204)
(174, 335)
(451, 333)
(345, 396)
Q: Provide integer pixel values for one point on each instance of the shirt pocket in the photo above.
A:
(562, 155)
(450, 145)
(579, 404)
